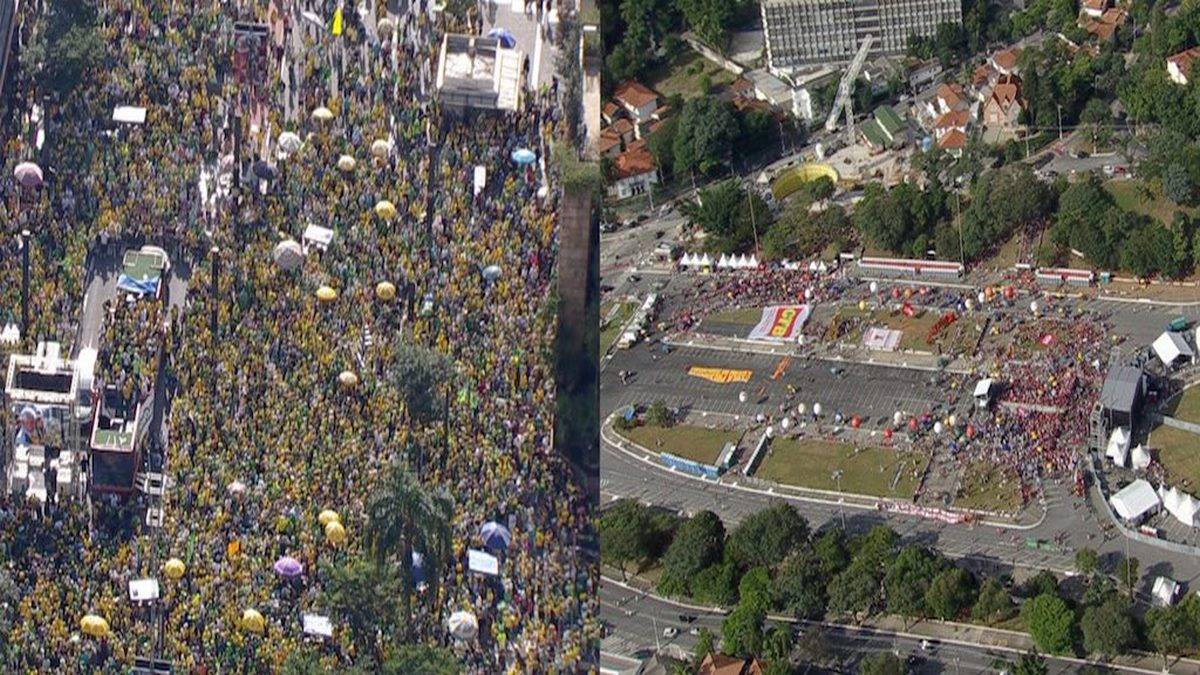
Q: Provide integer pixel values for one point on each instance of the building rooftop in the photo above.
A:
(1121, 388)
(953, 140)
(475, 72)
(1184, 59)
(634, 94)
(1006, 59)
(951, 94)
(635, 161)
(889, 119)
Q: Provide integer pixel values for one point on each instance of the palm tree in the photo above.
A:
(402, 515)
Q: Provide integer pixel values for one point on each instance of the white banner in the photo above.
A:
(884, 339)
(484, 563)
(781, 323)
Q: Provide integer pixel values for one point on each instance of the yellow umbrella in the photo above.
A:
(347, 379)
(335, 533)
(328, 516)
(253, 622)
(380, 148)
(385, 209)
(94, 625)
(385, 290)
(326, 294)
(346, 163)
(174, 568)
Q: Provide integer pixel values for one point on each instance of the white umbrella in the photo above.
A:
(322, 114)
(237, 487)
(785, 423)
(463, 626)
(288, 255)
(897, 418)
(808, 293)
(380, 148)
(346, 163)
(801, 408)
(28, 174)
(981, 298)
(289, 142)
(491, 272)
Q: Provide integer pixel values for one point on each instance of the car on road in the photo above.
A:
(670, 632)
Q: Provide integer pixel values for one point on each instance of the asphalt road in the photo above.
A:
(635, 623)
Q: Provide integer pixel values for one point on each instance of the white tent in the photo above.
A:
(1170, 346)
(983, 388)
(1118, 446)
(1140, 459)
(1135, 501)
(315, 235)
(1164, 591)
(705, 261)
(752, 263)
(1181, 505)
(723, 263)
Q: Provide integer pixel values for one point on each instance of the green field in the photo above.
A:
(985, 488)
(1130, 196)
(682, 75)
(1179, 453)
(611, 330)
(810, 463)
(1187, 406)
(699, 444)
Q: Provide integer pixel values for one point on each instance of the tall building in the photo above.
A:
(804, 34)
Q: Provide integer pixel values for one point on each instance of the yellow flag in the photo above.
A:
(337, 22)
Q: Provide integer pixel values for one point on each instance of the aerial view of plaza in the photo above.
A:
(281, 321)
(899, 318)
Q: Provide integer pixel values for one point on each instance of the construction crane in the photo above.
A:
(845, 91)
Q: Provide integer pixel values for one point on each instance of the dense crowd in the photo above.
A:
(258, 403)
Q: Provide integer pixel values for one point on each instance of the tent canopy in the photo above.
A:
(1140, 458)
(983, 388)
(1135, 500)
(1118, 446)
(1170, 346)
(1181, 505)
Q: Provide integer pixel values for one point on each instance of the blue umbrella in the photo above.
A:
(418, 567)
(504, 37)
(523, 156)
(495, 536)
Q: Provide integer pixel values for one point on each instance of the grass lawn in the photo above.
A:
(1129, 195)
(742, 316)
(1179, 453)
(699, 444)
(866, 471)
(682, 74)
(985, 488)
(610, 331)
(914, 328)
(1187, 406)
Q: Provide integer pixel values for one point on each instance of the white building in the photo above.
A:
(1179, 66)
(803, 34)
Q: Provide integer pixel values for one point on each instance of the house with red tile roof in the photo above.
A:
(1179, 66)
(1005, 61)
(637, 99)
(953, 142)
(719, 664)
(634, 171)
(1093, 8)
(1002, 109)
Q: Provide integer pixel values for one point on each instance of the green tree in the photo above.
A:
(705, 645)
(705, 135)
(698, 543)
(881, 663)
(768, 536)
(754, 588)
(950, 592)
(742, 630)
(1030, 663)
(1050, 623)
(710, 20)
(800, 586)
(993, 605)
(411, 658)
(1108, 629)
(1096, 116)
(728, 215)
(403, 516)
(908, 577)
(624, 529)
(1171, 631)
(777, 646)
(661, 144)
(875, 548)
(361, 592)
(716, 585)
(657, 415)
(420, 374)
(1127, 574)
(1178, 184)
(1086, 560)
(854, 590)
(1041, 583)
(830, 549)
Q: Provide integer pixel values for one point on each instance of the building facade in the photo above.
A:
(804, 34)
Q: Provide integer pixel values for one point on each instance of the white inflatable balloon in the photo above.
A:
(981, 298)
(970, 304)
(785, 423)
(742, 397)
(1033, 307)
(817, 409)
(874, 287)
(897, 418)
(770, 431)
(953, 421)
(800, 409)
(937, 427)
(808, 293)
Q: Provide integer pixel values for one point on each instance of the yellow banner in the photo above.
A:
(337, 22)
(720, 375)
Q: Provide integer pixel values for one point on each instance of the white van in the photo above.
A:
(85, 381)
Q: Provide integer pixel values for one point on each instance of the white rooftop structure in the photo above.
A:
(1140, 459)
(1164, 591)
(315, 235)
(1181, 505)
(1135, 501)
(1118, 446)
(1170, 346)
(45, 377)
(317, 625)
(476, 72)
